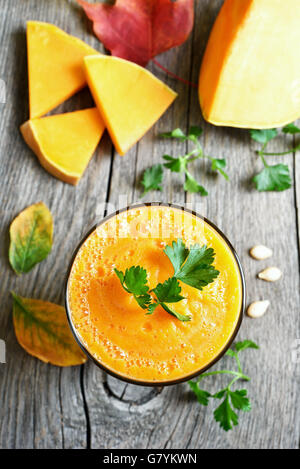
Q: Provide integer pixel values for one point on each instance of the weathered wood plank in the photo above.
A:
(297, 187)
(42, 405)
(173, 419)
(126, 416)
(248, 218)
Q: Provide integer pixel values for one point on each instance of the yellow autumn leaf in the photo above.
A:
(30, 237)
(42, 329)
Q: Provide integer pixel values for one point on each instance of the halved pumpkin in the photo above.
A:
(55, 69)
(129, 98)
(250, 74)
(65, 143)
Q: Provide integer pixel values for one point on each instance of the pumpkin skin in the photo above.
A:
(250, 73)
(130, 99)
(65, 143)
(55, 69)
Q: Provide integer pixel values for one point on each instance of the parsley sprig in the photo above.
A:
(273, 177)
(134, 281)
(191, 266)
(237, 399)
(153, 176)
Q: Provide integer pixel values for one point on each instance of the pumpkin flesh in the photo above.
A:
(65, 143)
(250, 74)
(129, 98)
(55, 69)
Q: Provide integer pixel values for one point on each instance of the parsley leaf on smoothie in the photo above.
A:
(191, 266)
(196, 268)
(134, 281)
(177, 253)
(168, 292)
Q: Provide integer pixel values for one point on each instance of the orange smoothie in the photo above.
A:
(115, 330)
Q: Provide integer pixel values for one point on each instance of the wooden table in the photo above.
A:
(43, 406)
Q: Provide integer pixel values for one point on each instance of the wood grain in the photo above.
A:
(47, 407)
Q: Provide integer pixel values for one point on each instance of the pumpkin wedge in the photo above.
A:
(55, 69)
(250, 74)
(65, 143)
(129, 98)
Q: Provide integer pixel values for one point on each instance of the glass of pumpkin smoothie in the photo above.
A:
(155, 294)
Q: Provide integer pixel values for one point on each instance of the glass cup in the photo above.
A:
(184, 378)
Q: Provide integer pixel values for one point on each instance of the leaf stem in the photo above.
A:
(186, 82)
(195, 158)
(237, 374)
(292, 150)
(261, 154)
(233, 381)
(199, 154)
(238, 363)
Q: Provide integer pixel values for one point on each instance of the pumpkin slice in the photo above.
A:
(65, 143)
(55, 69)
(129, 98)
(250, 74)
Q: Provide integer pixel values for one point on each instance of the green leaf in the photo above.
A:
(239, 400)
(220, 394)
(120, 275)
(192, 186)
(151, 308)
(169, 291)
(198, 270)
(177, 253)
(31, 235)
(176, 133)
(176, 165)
(225, 415)
(202, 396)
(42, 329)
(134, 281)
(152, 178)
(143, 300)
(195, 132)
(239, 346)
(263, 136)
(273, 178)
(179, 316)
(192, 267)
(230, 353)
(291, 129)
(218, 164)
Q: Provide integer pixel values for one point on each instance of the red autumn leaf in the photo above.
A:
(138, 30)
